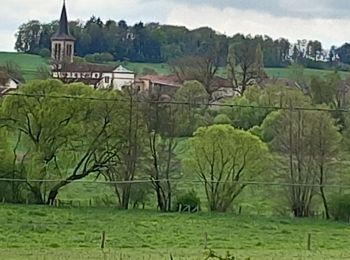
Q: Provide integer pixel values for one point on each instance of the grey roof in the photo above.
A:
(63, 28)
(86, 67)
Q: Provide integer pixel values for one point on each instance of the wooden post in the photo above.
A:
(309, 242)
(205, 240)
(180, 208)
(189, 209)
(103, 239)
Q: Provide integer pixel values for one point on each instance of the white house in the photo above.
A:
(7, 83)
(97, 76)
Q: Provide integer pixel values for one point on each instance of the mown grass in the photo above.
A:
(27, 62)
(38, 232)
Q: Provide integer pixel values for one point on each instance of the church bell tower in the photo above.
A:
(62, 42)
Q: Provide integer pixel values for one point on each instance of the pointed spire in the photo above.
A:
(63, 27)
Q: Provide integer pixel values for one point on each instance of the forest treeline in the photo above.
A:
(156, 43)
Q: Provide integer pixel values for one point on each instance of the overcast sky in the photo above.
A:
(324, 20)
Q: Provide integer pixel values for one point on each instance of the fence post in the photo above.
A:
(309, 241)
(180, 208)
(205, 240)
(103, 239)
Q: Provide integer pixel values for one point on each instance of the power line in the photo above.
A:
(292, 108)
(184, 181)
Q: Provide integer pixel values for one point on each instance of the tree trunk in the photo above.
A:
(54, 190)
(126, 197)
(323, 195)
(38, 198)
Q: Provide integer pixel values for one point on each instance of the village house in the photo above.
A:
(7, 83)
(94, 75)
(158, 86)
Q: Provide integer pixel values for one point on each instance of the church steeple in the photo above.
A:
(62, 42)
(63, 27)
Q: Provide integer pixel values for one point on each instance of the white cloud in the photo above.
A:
(270, 17)
(15, 12)
(231, 21)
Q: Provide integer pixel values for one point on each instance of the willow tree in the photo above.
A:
(226, 160)
(66, 133)
(306, 142)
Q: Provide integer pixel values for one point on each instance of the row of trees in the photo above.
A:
(161, 43)
(123, 137)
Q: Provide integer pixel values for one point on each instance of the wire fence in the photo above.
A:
(259, 198)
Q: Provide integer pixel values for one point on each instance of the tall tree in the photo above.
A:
(305, 142)
(244, 65)
(225, 159)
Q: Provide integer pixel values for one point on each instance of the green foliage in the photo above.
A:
(99, 57)
(192, 92)
(28, 63)
(223, 157)
(189, 199)
(74, 233)
(63, 138)
(222, 119)
(306, 143)
(45, 53)
(12, 69)
(330, 90)
(189, 116)
(7, 189)
(340, 207)
(241, 115)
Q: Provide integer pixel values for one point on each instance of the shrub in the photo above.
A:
(45, 53)
(340, 207)
(99, 57)
(222, 119)
(149, 71)
(190, 199)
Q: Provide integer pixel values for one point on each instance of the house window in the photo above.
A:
(96, 75)
(69, 50)
(107, 80)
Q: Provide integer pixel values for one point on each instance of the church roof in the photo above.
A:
(121, 69)
(86, 67)
(63, 27)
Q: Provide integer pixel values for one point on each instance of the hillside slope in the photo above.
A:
(29, 64)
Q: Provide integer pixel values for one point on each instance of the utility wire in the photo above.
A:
(185, 181)
(296, 108)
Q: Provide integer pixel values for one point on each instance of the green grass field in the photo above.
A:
(29, 64)
(39, 232)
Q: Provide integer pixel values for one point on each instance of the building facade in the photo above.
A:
(94, 75)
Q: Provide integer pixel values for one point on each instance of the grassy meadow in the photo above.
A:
(39, 232)
(29, 64)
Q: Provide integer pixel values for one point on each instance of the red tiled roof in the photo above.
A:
(170, 80)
